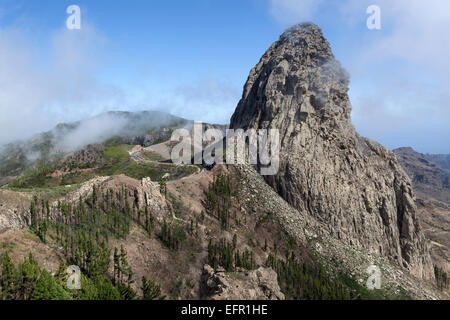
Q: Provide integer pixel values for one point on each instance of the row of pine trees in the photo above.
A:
(83, 231)
(28, 281)
(302, 281)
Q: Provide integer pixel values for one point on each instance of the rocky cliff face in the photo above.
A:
(352, 185)
(260, 284)
(431, 182)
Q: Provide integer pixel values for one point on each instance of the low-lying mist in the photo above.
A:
(71, 137)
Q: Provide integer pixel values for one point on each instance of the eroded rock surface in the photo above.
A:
(352, 185)
(259, 284)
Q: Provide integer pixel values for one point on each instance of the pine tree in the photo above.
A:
(202, 216)
(163, 187)
(94, 195)
(29, 271)
(47, 206)
(33, 216)
(150, 290)
(116, 267)
(106, 290)
(88, 289)
(9, 281)
(48, 289)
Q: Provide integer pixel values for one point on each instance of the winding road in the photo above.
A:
(201, 173)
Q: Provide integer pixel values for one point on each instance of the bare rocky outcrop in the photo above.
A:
(150, 195)
(143, 193)
(353, 186)
(260, 284)
(13, 210)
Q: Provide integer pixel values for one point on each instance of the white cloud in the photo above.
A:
(209, 100)
(412, 96)
(40, 87)
(418, 34)
(93, 130)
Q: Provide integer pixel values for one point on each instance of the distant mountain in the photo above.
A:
(137, 128)
(428, 176)
(431, 184)
(442, 159)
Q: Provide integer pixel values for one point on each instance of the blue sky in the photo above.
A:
(192, 58)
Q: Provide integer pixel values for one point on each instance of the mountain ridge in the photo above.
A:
(142, 128)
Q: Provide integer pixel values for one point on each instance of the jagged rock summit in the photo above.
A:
(353, 186)
(298, 70)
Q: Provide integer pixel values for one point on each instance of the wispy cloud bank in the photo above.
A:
(37, 91)
(413, 101)
(40, 89)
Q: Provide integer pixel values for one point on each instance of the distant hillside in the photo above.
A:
(442, 159)
(428, 175)
(139, 128)
(431, 184)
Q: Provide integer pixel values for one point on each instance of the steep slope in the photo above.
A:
(354, 186)
(167, 237)
(228, 210)
(431, 183)
(429, 178)
(442, 159)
